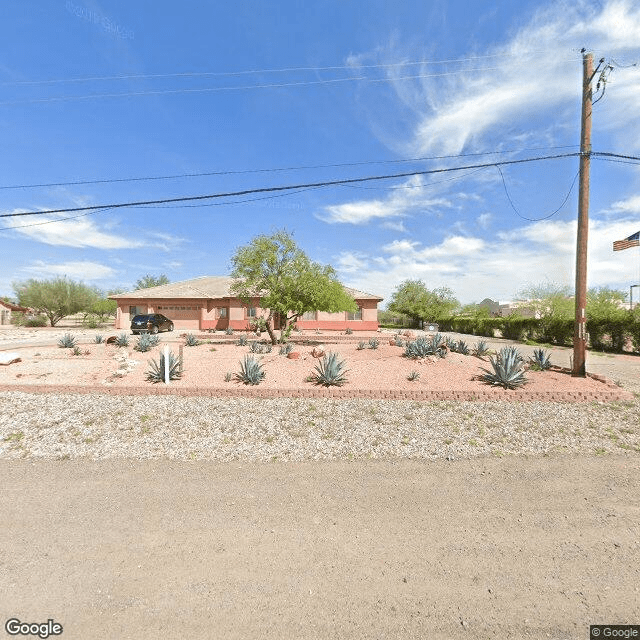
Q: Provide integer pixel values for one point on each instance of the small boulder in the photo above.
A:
(293, 355)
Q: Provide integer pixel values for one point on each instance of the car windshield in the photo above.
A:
(144, 318)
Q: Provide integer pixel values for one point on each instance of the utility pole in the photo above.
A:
(580, 327)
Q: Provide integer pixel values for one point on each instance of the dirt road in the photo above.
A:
(509, 548)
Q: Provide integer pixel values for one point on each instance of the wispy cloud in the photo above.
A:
(80, 270)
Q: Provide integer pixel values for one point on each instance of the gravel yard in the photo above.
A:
(140, 427)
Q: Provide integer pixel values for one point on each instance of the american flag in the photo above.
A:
(631, 241)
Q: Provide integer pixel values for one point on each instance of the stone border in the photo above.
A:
(422, 395)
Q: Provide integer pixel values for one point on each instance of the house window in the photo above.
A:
(251, 312)
(355, 316)
(221, 312)
(309, 315)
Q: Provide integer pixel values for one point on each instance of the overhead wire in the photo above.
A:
(277, 169)
(281, 188)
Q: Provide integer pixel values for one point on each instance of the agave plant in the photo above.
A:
(98, 339)
(122, 340)
(348, 331)
(286, 349)
(462, 348)
(330, 371)
(452, 345)
(414, 375)
(422, 347)
(77, 351)
(541, 360)
(398, 341)
(242, 341)
(67, 341)
(228, 376)
(361, 345)
(251, 371)
(507, 369)
(374, 343)
(229, 331)
(145, 342)
(191, 341)
(481, 348)
(155, 372)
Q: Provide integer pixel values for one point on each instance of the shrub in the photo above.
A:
(156, 368)
(67, 341)
(191, 341)
(481, 348)
(122, 340)
(507, 369)
(251, 371)
(76, 351)
(260, 347)
(541, 360)
(374, 343)
(145, 342)
(348, 331)
(330, 372)
(413, 376)
(36, 321)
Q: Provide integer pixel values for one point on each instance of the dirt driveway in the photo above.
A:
(512, 548)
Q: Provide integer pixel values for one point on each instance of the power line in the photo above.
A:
(553, 213)
(276, 169)
(200, 74)
(288, 187)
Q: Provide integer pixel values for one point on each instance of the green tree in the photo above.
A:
(151, 281)
(554, 306)
(607, 318)
(274, 273)
(55, 298)
(413, 299)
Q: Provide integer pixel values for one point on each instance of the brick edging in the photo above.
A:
(423, 395)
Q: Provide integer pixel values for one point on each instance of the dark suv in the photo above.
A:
(151, 323)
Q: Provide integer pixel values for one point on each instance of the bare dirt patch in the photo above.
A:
(207, 365)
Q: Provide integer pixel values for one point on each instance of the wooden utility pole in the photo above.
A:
(580, 327)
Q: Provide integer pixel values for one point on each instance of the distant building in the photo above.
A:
(7, 309)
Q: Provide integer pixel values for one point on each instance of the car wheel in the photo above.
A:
(171, 327)
(154, 329)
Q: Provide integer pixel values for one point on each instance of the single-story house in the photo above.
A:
(207, 303)
(6, 308)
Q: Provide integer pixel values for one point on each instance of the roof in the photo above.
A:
(13, 307)
(207, 287)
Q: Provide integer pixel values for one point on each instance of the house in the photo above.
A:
(207, 303)
(7, 308)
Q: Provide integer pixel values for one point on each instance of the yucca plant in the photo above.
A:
(462, 348)
(67, 341)
(229, 331)
(541, 360)
(361, 345)
(286, 349)
(155, 372)
(413, 376)
(145, 342)
(242, 341)
(330, 371)
(251, 371)
(507, 369)
(374, 343)
(122, 340)
(481, 348)
(191, 341)
(98, 339)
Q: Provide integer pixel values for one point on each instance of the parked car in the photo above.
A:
(151, 323)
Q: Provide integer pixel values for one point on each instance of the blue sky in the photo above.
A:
(373, 82)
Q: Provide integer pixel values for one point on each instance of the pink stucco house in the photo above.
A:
(206, 303)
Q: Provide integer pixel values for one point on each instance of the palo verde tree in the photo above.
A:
(55, 298)
(413, 299)
(151, 281)
(276, 275)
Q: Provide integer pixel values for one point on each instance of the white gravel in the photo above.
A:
(140, 427)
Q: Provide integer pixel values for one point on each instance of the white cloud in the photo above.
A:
(80, 270)
(630, 205)
(476, 269)
(483, 220)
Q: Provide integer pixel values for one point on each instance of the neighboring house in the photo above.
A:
(207, 303)
(522, 308)
(7, 308)
(491, 306)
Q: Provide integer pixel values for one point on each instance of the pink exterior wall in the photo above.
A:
(198, 314)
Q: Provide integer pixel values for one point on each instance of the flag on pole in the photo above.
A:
(631, 241)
